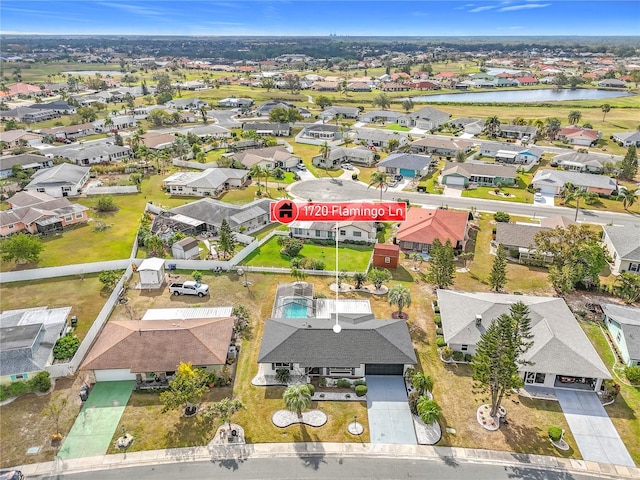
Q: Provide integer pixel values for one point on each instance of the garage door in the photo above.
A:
(451, 180)
(407, 173)
(114, 375)
(548, 189)
(383, 369)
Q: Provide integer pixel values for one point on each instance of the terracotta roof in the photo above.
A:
(385, 247)
(425, 225)
(160, 345)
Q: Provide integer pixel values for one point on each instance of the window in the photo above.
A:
(68, 218)
(40, 190)
(464, 348)
(540, 377)
(79, 215)
(618, 337)
(10, 227)
(277, 365)
(66, 189)
(341, 371)
(343, 232)
(387, 259)
(357, 234)
(318, 233)
(634, 267)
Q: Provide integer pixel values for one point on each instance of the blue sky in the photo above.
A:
(313, 17)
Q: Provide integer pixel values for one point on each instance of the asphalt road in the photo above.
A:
(325, 468)
(336, 190)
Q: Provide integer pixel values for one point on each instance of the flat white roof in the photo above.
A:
(151, 264)
(186, 313)
(325, 307)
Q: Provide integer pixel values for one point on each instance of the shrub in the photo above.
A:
(318, 265)
(322, 382)
(440, 341)
(312, 388)
(409, 373)
(361, 390)
(359, 382)
(446, 353)
(438, 331)
(343, 383)
(413, 402)
(19, 388)
(458, 356)
(66, 347)
(633, 374)
(501, 217)
(41, 382)
(555, 433)
(106, 204)
(283, 375)
(437, 319)
(468, 357)
(436, 309)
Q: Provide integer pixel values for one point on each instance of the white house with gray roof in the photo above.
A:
(330, 113)
(583, 162)
(95, 153)
(300, 338)
(406, 164)
(372, 137)
(552, 181)
(511, 153)
(626, 139)
(64, 180)
(375, 116)
(426, 118)
(623, 245)
(339, 155)
(349, 232)
(26, 161)
(209, 182)
(623, 322)
(561, 356)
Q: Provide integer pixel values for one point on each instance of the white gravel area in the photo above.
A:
(426, 434)
(313, 418)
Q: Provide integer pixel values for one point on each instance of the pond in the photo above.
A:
(523, 96)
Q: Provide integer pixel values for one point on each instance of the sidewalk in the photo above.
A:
(341, 450)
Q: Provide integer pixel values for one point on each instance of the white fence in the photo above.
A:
(63, 271)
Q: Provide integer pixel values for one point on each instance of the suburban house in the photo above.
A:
(153, 347)
(28, 337)
(36, 212)
(371, 137)
(268, 129)
(583, 162)
(386, 255)
(16, 138)
(116, 122)
(376, 116)
(64, 180)
(330, 113)
(623, 323)
(319, 133)
(265, 109)
(561, 356)
(623, 245)
(209, 182)
(445, 147)
(339, 155)
(406, 164)
(626, 139)
(552, 181)
(423, 226)
(235, 102)
(26, 161)
(612, 82)
(95, 153)
(71, 132)
(158, 140)
(269, 157)
(349, 232)
(426, 118)
(28, 115)
(59, 106)
(300, 338)
(575, 135)
(511, 153)
(471, 126)
(478, 174)
(520, 132)
(187, 104)
(206, 215)
(186, 249)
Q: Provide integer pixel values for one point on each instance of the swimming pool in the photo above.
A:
(295, 309)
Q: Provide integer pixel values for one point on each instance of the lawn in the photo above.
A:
(430, 181)
(518, 195)
(397, 128)
(352, 258)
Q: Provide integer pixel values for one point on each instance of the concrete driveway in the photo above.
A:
(597, 438)
(390, 419)
(547, 200)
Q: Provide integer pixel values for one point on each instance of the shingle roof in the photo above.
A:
(514, 235)
(209, 178)
(559, 344)
(160, 345)
(628, 136)
(63, 174)
(437, 142)
(23, 159)
(406, 160)
(425, 225)
(469, 169)
(629, 320)
(559, 178)
(213, 212)
(625, 240)
(587, 159)
(312, 342)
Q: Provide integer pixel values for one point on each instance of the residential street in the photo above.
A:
(335, 190)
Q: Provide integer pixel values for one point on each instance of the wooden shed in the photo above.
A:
(386, 255)
(186, 249)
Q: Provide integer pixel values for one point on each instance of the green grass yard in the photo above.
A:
(352, 258)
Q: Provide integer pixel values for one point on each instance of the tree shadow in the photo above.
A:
(401, 274)
(529, 473)
(309, 448)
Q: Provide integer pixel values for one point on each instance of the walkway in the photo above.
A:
(592, 428)
(390, 419)
(93, 430)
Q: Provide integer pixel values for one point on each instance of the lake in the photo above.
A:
(92, 73)
(522, 96)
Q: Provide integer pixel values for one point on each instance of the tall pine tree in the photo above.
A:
(442, 267)
(499, 354)
(227, 240)
(629, 165)
(498, 275)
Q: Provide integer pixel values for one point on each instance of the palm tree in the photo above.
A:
(359, 278)
(428, 410)
(492, 126)
(573, 193)
(379, 180)
(628, 197)
(606, 108)
(297, 398)
(401, 296)
(325, 151)
(256, 172)
(266, 172)
(422, 383)
(574, 117)
(552, 126)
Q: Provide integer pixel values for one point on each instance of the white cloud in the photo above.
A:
(482, 9)
(527, 6)
(135, 9)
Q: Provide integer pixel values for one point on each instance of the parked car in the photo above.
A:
(537, 197)
(347, 166)
(394, 183)
(189, 287)
(11, 475)
(301, 167)
(398, 177)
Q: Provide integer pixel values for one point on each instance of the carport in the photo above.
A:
(390, 419)
(94, 427)
(597, 438)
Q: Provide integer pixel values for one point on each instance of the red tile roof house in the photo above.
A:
(575, 135)
(423, 226)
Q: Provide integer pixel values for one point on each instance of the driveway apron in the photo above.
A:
(592, 428)
(390, 419)
(93, 430)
